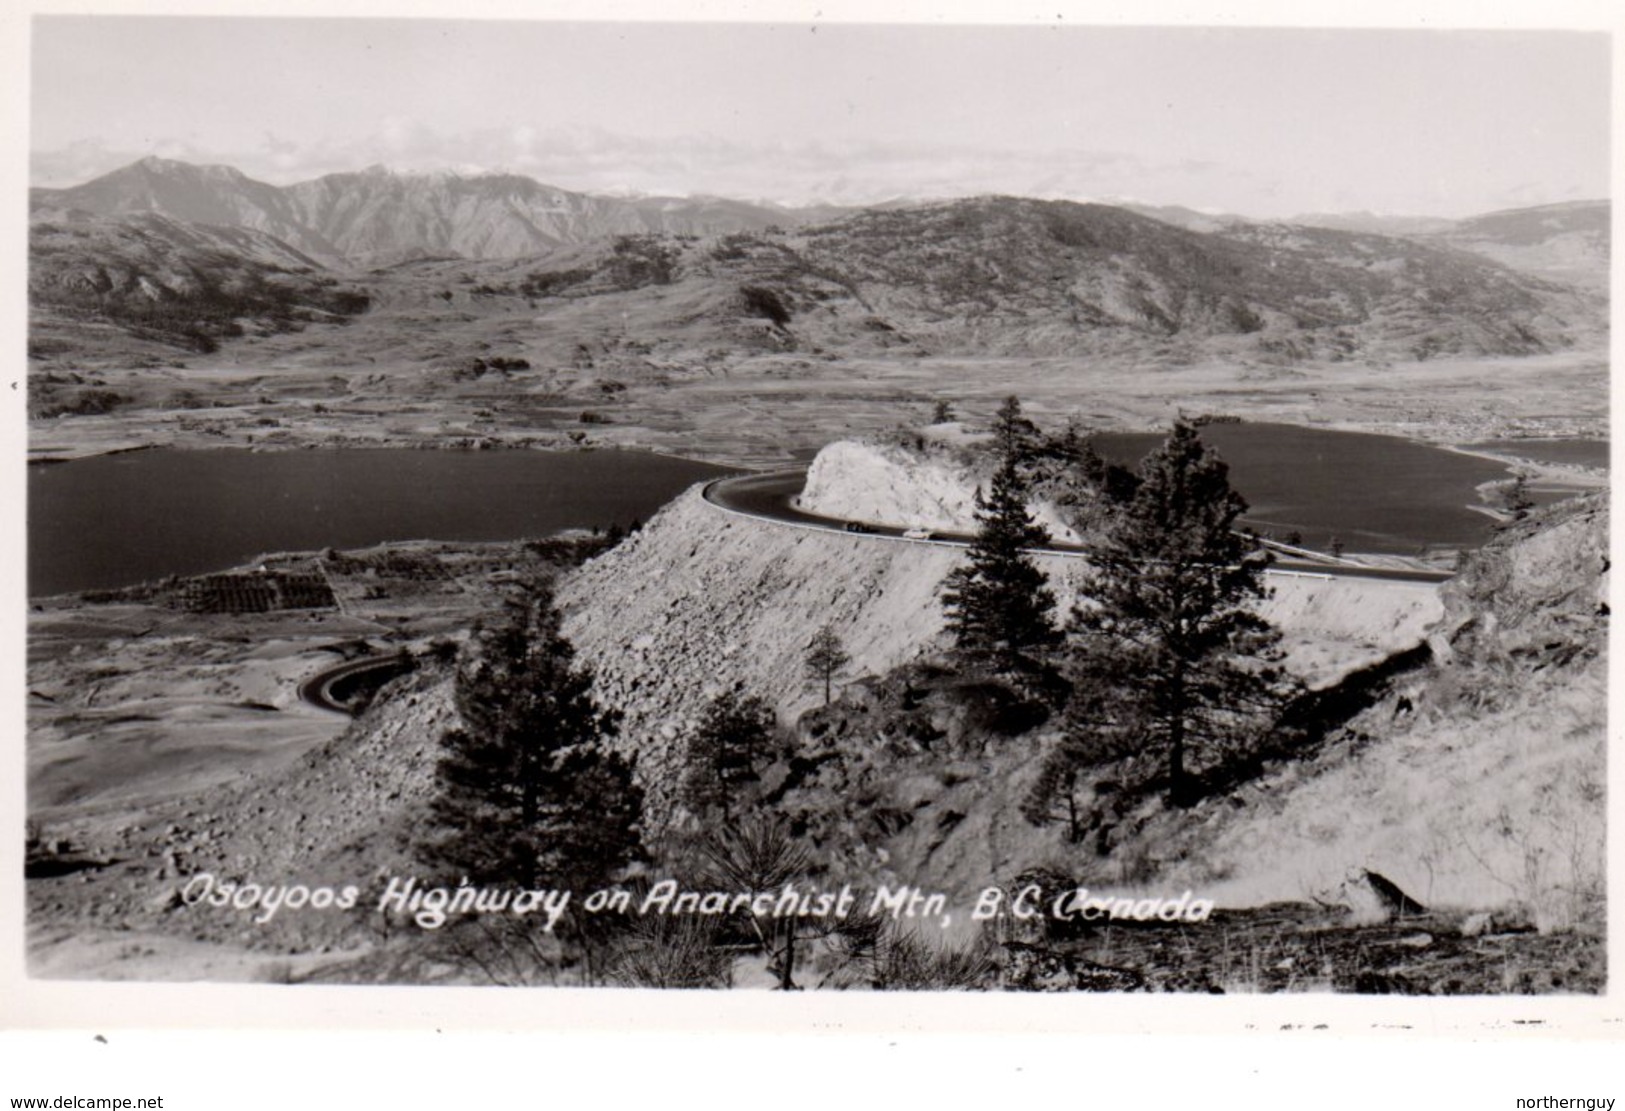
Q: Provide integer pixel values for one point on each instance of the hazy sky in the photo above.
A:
(1260, 122)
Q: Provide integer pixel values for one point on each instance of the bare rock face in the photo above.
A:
(699, 602)
(1542, 586)
(888, 485)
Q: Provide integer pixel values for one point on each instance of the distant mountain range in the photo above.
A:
(379, 217)
(199, 253)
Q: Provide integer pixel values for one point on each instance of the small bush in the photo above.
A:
(763, 302)
(90, 402)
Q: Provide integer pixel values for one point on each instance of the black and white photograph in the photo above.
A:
(816, 507)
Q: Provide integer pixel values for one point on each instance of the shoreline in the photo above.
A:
(754, 414)
(279, 448)
(1571, 479)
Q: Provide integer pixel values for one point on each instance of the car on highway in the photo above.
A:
(919, 534)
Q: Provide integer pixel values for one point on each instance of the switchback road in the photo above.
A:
(319, 689)
(771, 497)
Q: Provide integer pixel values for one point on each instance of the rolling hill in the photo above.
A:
(554, 277)
(378, 216)
(1005, 276)
(188, 285)
(1564, 242)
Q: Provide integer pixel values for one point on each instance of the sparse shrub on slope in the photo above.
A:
(641, 260)
(765, 303)
(549, 283)
(883, 955)
(670, 952)
(47, 400)
(825, 657)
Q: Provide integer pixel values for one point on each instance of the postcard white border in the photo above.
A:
(123, 1006)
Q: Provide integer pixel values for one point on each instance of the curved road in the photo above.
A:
(770, 497)
(318, 689)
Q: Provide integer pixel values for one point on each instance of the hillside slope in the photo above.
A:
(700, 602)
(1001, 277)
(1485, 786)
(564, 276)
(1564, 242)
(218, 195)
(867, 480)
(1475, 783)
(187, 284)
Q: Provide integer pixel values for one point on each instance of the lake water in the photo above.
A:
(115, 520)
(1584, 453)
(1375, 493)
(120, 519)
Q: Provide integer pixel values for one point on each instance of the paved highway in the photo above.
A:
(318, 689)
(770, 497)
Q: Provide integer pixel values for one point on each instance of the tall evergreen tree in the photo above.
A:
(1013, 434)
(825, 656)
(1171, 659)
(998, 603)
(1071, 446)
(527, 791)
(733, 739)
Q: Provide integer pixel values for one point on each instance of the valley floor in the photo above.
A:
(767, 410)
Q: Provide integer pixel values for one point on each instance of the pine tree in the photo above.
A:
(1171, 660)
(826, 655)
(1072, 447)
(998, 603)
(1078, 482)
(1013, 434)
(760, 854)
(733, 739)
(527, 792)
